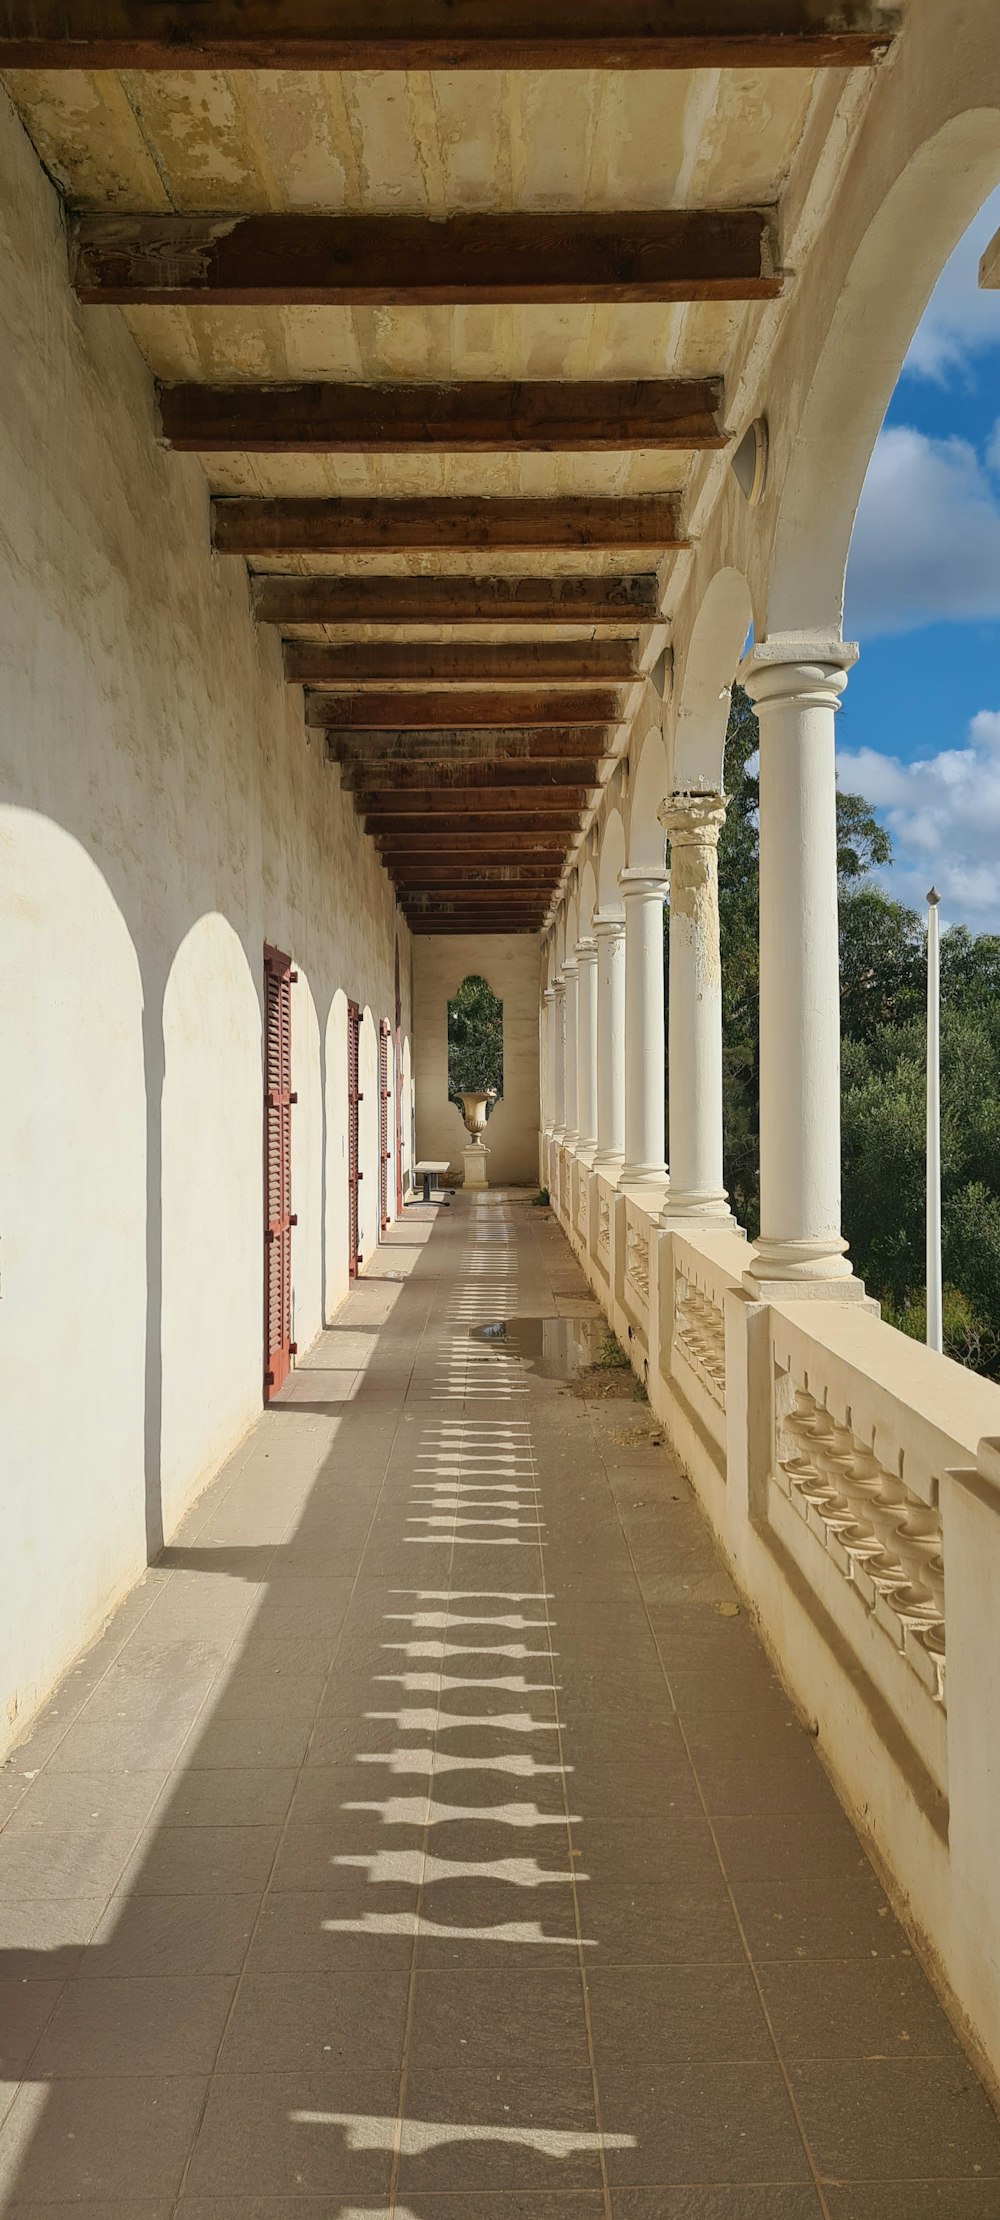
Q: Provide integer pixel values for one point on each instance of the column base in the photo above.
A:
(784, 1270)
(609, 1163)
(586, 1153)
(710, 1209)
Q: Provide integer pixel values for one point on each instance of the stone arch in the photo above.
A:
(900, 254)
(705, 684)
(648, 788)
(610, 863)
(588, 899)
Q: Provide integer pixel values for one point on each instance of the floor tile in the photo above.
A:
(118, 2137)
(846, 1918)
(139, 2025)
(202, 1861)
(683, 2124)
(497, 2130)
(858, 2008)
(290, 2020)
(656, 2015)
(25, 2008)
(761, 2201)
(300, 2134)
(154, 1935)
(896, 2120)
(479, 2020)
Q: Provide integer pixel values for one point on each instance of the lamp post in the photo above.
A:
(934, 1323)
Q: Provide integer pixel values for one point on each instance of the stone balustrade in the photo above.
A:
(853, 1479)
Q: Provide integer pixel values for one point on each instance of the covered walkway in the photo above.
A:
(428, 1835)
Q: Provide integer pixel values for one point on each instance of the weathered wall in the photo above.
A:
(162, 814)
(509, 963)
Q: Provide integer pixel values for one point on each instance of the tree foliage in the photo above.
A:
(883, 973)
(475, 1040)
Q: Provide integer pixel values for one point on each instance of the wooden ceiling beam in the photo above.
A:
(464, 662)
(465, 711)
(489, 875)
(306, 259)
(472, 416)
(460, 802)
(632, 599)
(437, 928)
(468, 747)
(490, 820)
(438, 34)
(465, 524)
(400, 778)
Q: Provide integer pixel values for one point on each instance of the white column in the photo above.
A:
(692, 823)
(610, 936)
(586, 1047)
(796, 704)
(558, 1058)
(548, 1062)
(571, 981)
(645, 1040)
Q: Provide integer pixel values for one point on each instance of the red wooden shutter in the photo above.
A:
(353, 1170)
(279, 1347)
(383, 1124)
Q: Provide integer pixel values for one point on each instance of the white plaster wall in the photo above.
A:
(162, 814)
(509, 962)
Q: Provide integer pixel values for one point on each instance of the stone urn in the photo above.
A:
(474, 1108)
(474, 1112)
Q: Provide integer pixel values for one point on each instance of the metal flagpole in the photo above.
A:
(934, 1328)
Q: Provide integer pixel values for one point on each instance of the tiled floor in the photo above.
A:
(431, 1839)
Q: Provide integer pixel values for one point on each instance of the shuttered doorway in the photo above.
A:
(354, 1173)
(279, 1347)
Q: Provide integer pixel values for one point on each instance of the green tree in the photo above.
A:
(475, 1040)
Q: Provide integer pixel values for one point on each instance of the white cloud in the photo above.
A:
(926, 545)
(944, 817)
(959, 321)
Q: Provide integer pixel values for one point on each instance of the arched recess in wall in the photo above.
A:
(213, 1206)
(891, 277)
(610, 863)
(648, 787)
(307, 1165)
(337, 1277)
(368, 1223)
(705, 685)
(73, 1213)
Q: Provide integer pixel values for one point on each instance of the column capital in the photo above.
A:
(639, 880)
(558, 986)
(548, 994)
(586, 949)
(609, 926)
(693, 820)
(569, 970)
(797, 668)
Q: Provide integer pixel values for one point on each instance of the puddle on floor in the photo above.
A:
(555, 1348)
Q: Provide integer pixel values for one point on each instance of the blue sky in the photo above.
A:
(919, 730)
